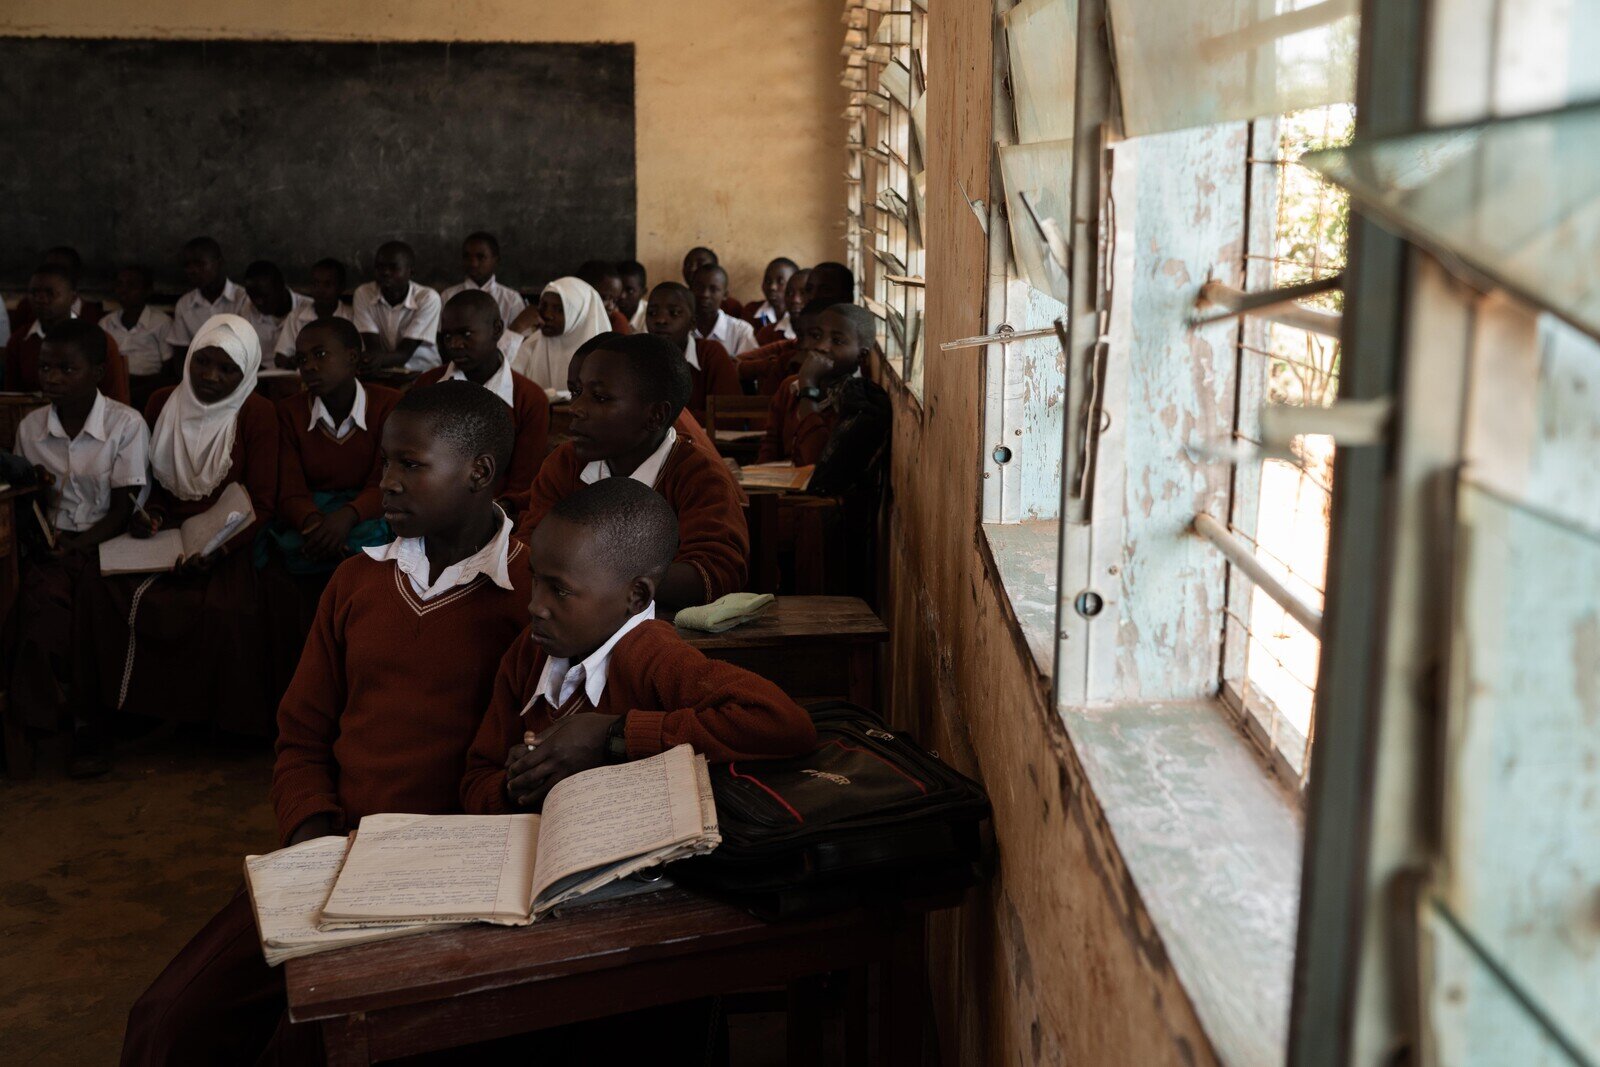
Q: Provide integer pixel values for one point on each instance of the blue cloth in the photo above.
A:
(290, 543)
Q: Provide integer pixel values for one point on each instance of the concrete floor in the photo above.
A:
(102, 882)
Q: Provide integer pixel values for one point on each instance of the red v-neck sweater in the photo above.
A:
(314, 461)
(712, 534)
(390, 692)
(530, 411)
(670, 692)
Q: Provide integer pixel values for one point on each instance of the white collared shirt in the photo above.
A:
(356, 420)
(300, 316)
(112, 451)
(499, 382)
(766, 313)
(192, 311)
(510, 302)
(416, 318)
(268, 327)
(144, 346)
(734, 334)
(410, 554)
(37, 329)
(562, 677)
(647, 472)
(786, 326)
(690, 356)
(637, 322)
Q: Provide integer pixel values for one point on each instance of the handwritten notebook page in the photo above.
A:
(441, 868)
(201, 535)
(287, 889)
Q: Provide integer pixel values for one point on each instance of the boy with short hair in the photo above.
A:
(685, 423)
(212, 293)
(326, 292)
(697, 259)
(52, 295)
(270, 303)
(711, 322)
(368, 725)
(480, 259)
(598, 677)
(793, 304)
(66, 258)
(825, 285)
(470, 335)
(140, 332)
(632, 390)
(635, 284)
(607, 281)
(95, 454)
(397, 317)
(670, 316)
(774, 281)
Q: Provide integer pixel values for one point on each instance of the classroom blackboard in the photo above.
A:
(295, 150)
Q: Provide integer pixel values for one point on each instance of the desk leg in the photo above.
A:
(904, 995)
(804, 1025)
(345, 1040)
(863, 676)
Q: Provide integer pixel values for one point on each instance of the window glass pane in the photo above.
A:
(1181, 63)
(1038, 179)
(1522, 779)
(1516, 200)
(1043, 40)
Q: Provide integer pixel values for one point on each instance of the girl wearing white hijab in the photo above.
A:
(190, 644)
(570, 312)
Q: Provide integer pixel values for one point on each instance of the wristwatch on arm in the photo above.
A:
(811, 393)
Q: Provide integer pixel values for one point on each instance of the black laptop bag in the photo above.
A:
(867, 816)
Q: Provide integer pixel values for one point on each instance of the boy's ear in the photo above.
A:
(481, 475)
(97, 372)
(641, 591)
(660, 415)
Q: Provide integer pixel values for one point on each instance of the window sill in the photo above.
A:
(1213, 844)
(1023, 557)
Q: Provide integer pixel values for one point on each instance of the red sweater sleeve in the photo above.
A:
(295, 503)
(380, 404)
(725, 712)
(531, 413)
(557, 479)
(255, 458)
(483, 785)
(305, 775)
(811, 436)
(772, 443)
(768, 363)
(713, 536)
(722, 377)
(115, 382)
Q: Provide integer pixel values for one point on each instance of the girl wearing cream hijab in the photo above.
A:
(189, 644)
(570, 312)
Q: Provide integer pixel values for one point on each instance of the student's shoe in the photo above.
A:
(88, 757)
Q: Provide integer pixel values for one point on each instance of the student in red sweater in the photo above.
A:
(328, 500)
(824, 285)
(469, 343)
(670, 315)
(389, 695)
(630, 392)
(827, 414)
(607, 281)
(794, 302)
(598, 677)
(190, 645)
(774, 283)
(66, 258)
(685, 423)
(52, 297)
(700, 257)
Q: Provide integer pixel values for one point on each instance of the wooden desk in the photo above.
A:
(811, 646)
(454, 987)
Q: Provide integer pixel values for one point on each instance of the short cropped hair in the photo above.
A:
(635, 529)
(399, 248)
(203, 244)
(677, 289)
(265, 268)
(476, 300)
(599, 340)
(50, 270)
(473, 420)
(835, 277)
(658, 367)
(632, 268)
(343, 330)
(88, 339)
(712, 252)
(69, 256)
(864, 322)
(594, 270)
(142, 272)
(712, 267)
(331, 264)
(486, 237)
(784, 261)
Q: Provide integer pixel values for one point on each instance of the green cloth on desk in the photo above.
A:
(725, 613)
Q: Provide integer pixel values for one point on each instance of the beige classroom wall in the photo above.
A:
(1054, 959)
(739, 140)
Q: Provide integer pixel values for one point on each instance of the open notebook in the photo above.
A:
(597, 827)
(200, 535)
(774, 476)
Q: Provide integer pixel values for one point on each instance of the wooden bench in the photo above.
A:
(736, 424)
(454, 987)
(811, 646)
